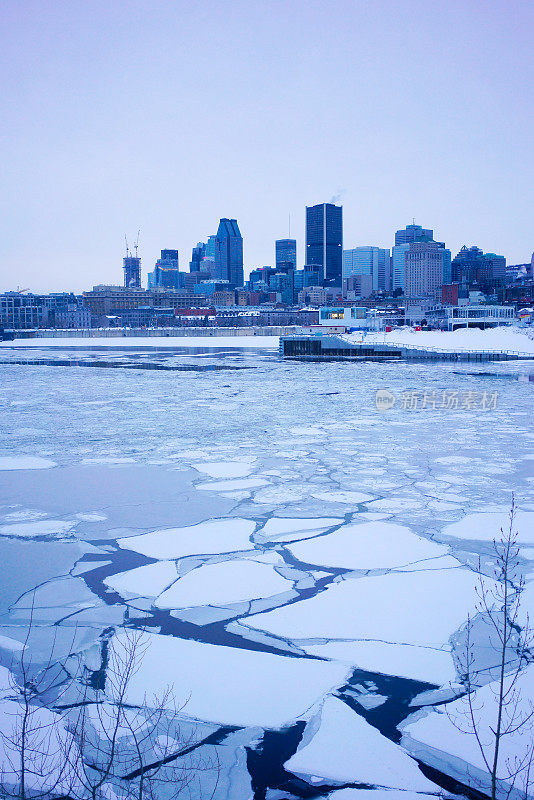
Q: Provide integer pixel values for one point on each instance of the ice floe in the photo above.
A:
(28, 530)
(233, 686)
(224, 583)
(232, 485)
(368, 545)
(214, 536)
(444, 739)
(148, 581)
(427, 664)
(486, 526)
(225, 469)
(422, 607)
(347, 749)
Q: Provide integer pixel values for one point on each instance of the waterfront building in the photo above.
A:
(229, 253)
(324, 240)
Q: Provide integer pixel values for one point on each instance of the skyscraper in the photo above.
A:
(413, 233)
(229, 252)
(286, 253)
(198, 253)
(166, 274)
(473, 269)
(324, 240)
(428, 267)
(373, 261)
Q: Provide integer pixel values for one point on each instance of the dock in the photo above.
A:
(329, 347)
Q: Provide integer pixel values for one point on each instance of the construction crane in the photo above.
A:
(127, 248)
(136, 245)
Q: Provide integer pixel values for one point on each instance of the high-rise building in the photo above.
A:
(374, 261)
(324, 240)
(473, 269)
(286, 253)
(166, 274)
(428, 267)
(398, 266)
(198, 253)
(413, 233)
(132, 271)
(229, 253)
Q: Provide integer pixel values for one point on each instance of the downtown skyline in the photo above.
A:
(170, 117)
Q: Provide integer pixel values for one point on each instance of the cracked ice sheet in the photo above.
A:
(287, 529)
(401, 607)
(51, 527)
(435, 739)
(213, 537)
(232, 686)
(404, 661)
(147, 581)
(347, 749)
(487, 525)
(232, 485)
(224, 583)
(368, 545)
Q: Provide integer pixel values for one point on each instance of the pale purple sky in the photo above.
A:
(118, 115)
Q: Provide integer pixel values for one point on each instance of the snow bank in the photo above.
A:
(347, 749)
(501, 338)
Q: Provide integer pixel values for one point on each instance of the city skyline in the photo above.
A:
(166, 118)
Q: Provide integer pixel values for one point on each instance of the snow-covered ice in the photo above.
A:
(224, 583)
(422, 608)
(214, 536)
(232, 686)
(347, 749)
(434, 736)
(369, 545)
(486, 526)
(148, 581)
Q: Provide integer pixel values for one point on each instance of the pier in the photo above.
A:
(328, 347)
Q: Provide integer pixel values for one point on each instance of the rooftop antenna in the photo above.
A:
(136, 245)
(413, 220)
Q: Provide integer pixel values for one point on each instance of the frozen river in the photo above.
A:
(301, 559)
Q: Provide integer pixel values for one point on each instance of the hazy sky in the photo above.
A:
(118, 115)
